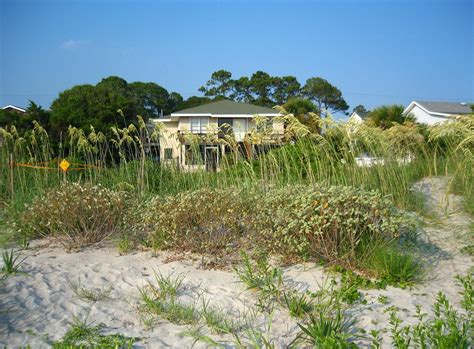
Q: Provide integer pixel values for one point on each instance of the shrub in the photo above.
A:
(75, 214)
(326, 223)
(297, 222)
(207, 220)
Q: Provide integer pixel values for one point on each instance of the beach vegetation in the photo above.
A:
(11, 262)
(83, 334)
(89, 294)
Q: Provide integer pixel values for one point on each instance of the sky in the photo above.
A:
(376, 52)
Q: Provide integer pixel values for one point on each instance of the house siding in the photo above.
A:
(426, 118)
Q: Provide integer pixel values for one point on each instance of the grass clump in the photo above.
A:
(161, 300)
(90, 295)
(75, 215)
(326, 331)
(298, 304)
(395, 267)
(11, 263)
(85, 335)
(260, 276)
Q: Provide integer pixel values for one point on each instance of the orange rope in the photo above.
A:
(34, 166)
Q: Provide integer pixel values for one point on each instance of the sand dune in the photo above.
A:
(37, 308)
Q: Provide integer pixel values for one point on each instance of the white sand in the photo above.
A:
(38, 308)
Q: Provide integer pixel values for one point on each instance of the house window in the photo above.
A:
(194, 155)
(240, 129)
(199, 125)
(237, 126)
(168, 153)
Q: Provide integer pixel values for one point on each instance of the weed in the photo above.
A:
(298, 304)
(383, 299)
(168, 285)
(323, 331)
(169, 309)
(125, 244)
(84, 335)
(395, 267)
(469, 250)
(262, 277)
(448, 328)
(90, 295)
(161, 300)
(11, 263)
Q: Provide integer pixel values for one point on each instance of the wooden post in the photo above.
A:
(12, 180)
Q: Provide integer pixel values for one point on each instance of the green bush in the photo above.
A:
(74, 214)
(327, 223)
(296, 222)
(207, 220)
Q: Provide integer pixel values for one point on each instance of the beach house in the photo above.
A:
(199, 137)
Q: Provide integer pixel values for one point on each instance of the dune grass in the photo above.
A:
(84, 334)
(121, 164)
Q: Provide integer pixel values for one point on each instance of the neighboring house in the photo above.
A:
(355, 118)
(208, 121)
(14, 108)
(433, 112)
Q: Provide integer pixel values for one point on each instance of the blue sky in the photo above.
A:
(377, 52)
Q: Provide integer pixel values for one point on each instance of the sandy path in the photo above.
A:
(37, 308)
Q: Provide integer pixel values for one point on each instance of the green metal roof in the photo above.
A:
(226, 107)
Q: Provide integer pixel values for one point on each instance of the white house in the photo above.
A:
(14, 108)
(433, 112)
(355, 118)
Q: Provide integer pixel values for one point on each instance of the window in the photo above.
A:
(225, 125)
(240, 129)
(194, 155)
(199, 125)
(237, 126)
(168, 153)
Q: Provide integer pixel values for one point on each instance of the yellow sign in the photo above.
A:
(64, 165)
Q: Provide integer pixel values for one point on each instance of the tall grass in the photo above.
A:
(123, 162)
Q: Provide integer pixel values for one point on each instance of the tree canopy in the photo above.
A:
(98, 105)
(88, 105)
(263, 89)
(360, 110)
(325, 95)
(386, 116)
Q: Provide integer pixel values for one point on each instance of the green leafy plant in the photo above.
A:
(11, 263)
(161, 300)
(298, 304)
(83, 334)
(323, 331)
(398, 268)
(262, 277)
(448, 328)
